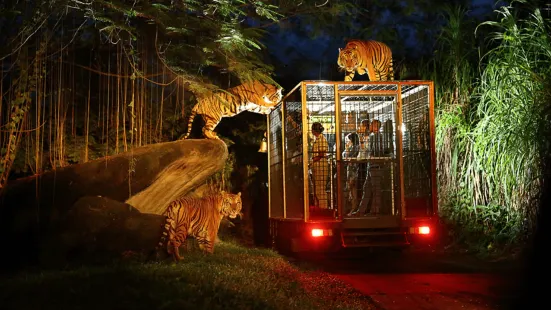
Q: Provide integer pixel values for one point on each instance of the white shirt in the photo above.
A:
(364, 147)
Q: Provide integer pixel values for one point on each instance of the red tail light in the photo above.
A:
(316, 232)
(424, 230)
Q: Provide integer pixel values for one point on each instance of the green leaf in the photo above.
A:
(161, 6)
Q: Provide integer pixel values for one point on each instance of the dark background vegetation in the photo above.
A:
(82, 80)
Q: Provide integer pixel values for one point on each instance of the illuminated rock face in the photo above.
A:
(181, 176)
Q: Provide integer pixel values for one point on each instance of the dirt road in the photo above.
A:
(424, 280)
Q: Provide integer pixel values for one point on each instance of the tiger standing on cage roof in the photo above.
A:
(371, 57)
(197, 217)
(254, 96)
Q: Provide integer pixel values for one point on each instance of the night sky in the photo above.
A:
(300, 58)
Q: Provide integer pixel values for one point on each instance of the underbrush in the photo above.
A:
(492, 125)
(234, 277)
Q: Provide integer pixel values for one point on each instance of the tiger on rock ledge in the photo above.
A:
(197, 217)
(372, 57)
(252, 96)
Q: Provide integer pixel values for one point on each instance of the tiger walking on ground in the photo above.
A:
(197, 217)
(252, 96)
(372, 57)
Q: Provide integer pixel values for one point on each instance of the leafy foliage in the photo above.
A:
(493, 120)
(202, 45)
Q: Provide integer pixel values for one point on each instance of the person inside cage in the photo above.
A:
(294, 145)
(388, 138)
(371, 191)
(363, 136)
(294, 135)
(351, 151)
(319, 165)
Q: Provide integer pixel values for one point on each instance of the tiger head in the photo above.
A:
(231, 205)
(271, 94)
(349, 59)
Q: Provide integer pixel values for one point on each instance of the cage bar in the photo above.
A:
(384, 168)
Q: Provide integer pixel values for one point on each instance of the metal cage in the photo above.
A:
(385, 167)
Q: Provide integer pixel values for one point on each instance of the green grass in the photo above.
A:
(234, 277)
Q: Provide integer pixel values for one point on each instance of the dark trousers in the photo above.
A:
(371, 190)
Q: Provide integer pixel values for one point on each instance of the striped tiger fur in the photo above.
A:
(197, 217)
(253, 96)
(372, 57)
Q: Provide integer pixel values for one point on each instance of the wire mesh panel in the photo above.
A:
(294, 168)
(276, 164)
(320, 104)
(416, 150)
(304, 151)
(368, 154)
(392, 87)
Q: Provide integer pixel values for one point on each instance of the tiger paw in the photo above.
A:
(211, 135)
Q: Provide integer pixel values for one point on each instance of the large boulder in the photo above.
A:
(98, 229)
(146, 178)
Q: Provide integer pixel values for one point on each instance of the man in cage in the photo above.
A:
(319, 165)
(371, 191)
(363, 135)
(388, 138)
(351, 151)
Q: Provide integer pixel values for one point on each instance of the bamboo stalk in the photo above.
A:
(132, 114)
(117, 116)
(38, 73)
(107, 110)
(161, 109)
(125, 93)
(87, 119)
(140, 118)
(59, 132)
(100, 115)
(51, 121)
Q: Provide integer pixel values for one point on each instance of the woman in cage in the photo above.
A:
(351, 151)
(319, 165)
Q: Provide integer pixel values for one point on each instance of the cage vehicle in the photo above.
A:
(335, 191)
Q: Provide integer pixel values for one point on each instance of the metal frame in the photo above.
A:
(338, 131)
(338, 94)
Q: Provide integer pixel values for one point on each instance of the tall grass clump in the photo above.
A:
(491, 140)
(508, 137)
(455, 72)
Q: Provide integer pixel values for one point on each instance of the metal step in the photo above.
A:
(373, 238)
(375, 233)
